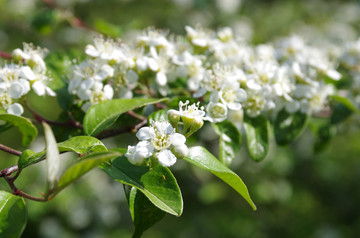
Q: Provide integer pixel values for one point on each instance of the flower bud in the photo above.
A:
(180, 151)
(174, 117)
(17, 55)
(196, 124)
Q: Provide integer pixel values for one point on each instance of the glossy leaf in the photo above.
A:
(103, 115)
(78, 144)
(202, 158)
(158, 184)
(257, 135)
(143, 212)
(26, 128)
(13, 215)
(229, 141)
(288, 126)
(84, 165)
(52, 155)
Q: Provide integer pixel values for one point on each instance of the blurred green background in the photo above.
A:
(298, 193)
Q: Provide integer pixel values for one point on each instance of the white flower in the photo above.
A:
(137, 154)
(217, 112)
(106, 49)
(158, 139)
(231, 95)
(33, 57)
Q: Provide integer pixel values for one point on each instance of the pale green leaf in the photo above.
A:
(52, 155)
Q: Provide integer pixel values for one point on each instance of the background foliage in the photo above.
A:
(298, 193)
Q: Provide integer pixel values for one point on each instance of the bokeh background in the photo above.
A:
(299, 193)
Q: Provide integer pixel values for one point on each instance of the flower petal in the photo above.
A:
(143, 133)
(166, 158)
(177, 139)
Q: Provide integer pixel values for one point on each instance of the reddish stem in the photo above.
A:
(5, 55)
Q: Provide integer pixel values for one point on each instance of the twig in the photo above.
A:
(20, 193)
(135, 115)
(10, 150)
(5, 55)
(72, 123)
(9, 171)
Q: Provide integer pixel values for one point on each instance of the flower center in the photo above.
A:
(161, 141)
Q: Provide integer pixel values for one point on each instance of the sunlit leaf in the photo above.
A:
(78, 144)
(103, 115)
(13, 215)
(202, 158)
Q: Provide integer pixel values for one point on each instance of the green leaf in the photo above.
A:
(53, 157)
(323, 136)
(257, 135)
(103, 115)
(230, 141)
(288, 126)
(340, 113)
(107, 28)
(160, 115)
(13, 215)
(202, 158)
(26, 128)
(158, 184)
(345, 101)
(143, 212)
(78, 144)
(84, 165)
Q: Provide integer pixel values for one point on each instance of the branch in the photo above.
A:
(135, 115)
(72, 123)
(20, 193)
(10, 150)
(9, 171)
(5, 55)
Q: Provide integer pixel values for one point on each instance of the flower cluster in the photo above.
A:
(232, 76)
(27, 72)
(159, 141)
